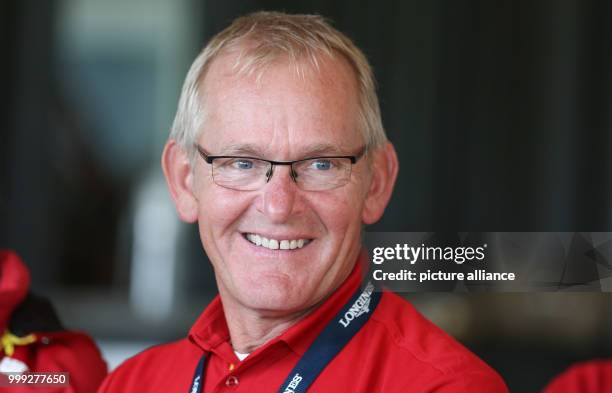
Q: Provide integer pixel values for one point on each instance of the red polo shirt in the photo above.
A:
(397, 350)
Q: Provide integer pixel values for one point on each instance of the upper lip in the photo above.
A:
(280, 236)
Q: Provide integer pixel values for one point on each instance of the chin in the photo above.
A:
(273, 294)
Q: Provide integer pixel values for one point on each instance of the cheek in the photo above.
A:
(339, 210)
(220, 208)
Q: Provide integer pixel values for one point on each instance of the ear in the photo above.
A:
(384, 172)
(179, 177)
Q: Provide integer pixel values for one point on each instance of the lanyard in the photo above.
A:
(338, 332)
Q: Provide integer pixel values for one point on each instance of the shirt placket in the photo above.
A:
(245, 376)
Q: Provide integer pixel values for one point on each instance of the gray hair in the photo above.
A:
(262, 38)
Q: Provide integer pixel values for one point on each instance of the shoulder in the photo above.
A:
(159, 366)
(410, 336)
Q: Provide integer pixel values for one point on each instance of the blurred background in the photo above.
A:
(501, 113)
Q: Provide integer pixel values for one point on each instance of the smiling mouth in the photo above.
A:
(276, 244)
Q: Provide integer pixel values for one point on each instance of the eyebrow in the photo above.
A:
(313, 150)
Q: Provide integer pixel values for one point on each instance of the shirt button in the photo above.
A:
(231, 382)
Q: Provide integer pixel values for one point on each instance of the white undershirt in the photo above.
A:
(241, 355)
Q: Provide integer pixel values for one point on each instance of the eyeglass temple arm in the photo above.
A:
(205, 156)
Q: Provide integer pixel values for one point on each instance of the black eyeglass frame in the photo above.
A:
(210, 158)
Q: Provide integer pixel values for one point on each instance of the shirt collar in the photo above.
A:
(210, 329)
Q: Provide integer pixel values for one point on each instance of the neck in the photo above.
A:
(249, 329)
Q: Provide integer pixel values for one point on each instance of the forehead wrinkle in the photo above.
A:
(311, 150)
(241, 149)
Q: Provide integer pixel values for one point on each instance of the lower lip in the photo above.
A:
(270, 252)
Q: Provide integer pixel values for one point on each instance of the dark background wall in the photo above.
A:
(501, 113)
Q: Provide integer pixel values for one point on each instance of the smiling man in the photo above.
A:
(279, 154)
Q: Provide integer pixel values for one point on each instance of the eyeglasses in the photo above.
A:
(310, 174)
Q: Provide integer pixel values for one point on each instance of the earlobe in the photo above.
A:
(385, 167)
(179, 177)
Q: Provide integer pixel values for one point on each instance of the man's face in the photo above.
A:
(281, 117)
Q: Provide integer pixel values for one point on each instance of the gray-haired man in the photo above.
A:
(279, 154)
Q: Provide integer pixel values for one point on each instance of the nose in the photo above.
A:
(278, 201)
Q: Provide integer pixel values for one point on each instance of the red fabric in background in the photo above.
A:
(589, 377)
(62, 351)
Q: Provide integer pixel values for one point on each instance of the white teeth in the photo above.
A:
(254, 238)
(275, 244)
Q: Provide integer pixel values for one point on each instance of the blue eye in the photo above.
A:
(242, 164)
(322, 165)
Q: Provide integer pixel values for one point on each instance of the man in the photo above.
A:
(279, 154)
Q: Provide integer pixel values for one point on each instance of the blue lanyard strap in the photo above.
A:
(198, 376)
(338, 332)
